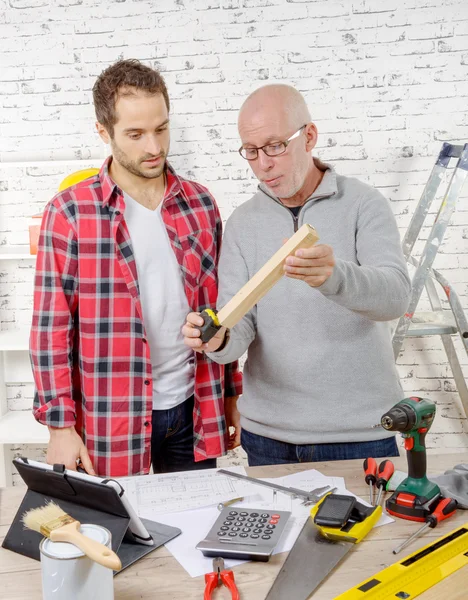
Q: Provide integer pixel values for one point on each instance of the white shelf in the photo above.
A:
(20, 427)
(16, 253)
(12, 164)
(16, 339)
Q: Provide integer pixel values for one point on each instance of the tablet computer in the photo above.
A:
(135, 525)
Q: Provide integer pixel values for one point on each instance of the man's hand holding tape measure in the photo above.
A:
(191, 332)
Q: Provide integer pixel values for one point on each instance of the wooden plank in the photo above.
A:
(271, 272)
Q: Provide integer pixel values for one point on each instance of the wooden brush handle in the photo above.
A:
(94, 550)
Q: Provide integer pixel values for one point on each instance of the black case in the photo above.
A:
(85, 501)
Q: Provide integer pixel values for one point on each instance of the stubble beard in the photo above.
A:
(134, 167)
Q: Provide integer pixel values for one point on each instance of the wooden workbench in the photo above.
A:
(160, 577)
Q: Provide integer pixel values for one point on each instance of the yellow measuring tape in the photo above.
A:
(213, 315)
(353, 532)
(417, 572)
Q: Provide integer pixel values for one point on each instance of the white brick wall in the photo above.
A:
(386, 82)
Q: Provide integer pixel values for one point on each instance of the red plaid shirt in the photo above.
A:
(88, 347)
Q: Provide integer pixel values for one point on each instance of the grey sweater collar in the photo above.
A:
(328, 186)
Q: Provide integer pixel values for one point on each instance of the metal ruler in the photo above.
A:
(308, 497)
(417, 572)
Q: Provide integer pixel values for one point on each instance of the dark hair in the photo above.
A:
(111, 83)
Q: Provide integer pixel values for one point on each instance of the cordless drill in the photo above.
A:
(415, 497)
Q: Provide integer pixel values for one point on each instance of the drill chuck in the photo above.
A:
(387, 423)
(399, 418)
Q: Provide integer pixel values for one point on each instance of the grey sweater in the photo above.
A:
(320, 364)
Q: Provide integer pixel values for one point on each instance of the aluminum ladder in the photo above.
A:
(438, 321)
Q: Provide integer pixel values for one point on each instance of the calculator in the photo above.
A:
(245, 533)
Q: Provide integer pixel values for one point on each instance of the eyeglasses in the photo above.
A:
(269, 149)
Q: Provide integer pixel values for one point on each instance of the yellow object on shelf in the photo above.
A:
(35, 223)
(76, 177)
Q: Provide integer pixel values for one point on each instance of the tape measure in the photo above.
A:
(343, 519)
(417, 572)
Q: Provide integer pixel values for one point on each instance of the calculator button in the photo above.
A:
(230, 518)
(231, 534)
(275, 516)
(262, 520)
(257, 531)
(254, 536)
(273, 521)
(227, 523)
(264, 515)
(246, 529)
(254, 514)
(233, 512)
(244, 514)
(264, 537)
(224, 528)
(241, 518)
(220, 533)
(270, 527)
(236, 529)
(237, 524)
(243, 535)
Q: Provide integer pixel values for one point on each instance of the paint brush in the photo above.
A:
(54, 523)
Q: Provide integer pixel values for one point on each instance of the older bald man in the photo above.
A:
(320, 370)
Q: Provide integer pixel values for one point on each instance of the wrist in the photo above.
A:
(61, 430)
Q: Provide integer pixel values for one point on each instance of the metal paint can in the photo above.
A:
(68, 574)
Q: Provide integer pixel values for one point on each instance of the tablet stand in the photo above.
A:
(85, 501)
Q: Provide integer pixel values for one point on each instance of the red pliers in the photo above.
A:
(220, 575)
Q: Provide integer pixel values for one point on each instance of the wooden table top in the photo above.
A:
(160, 577)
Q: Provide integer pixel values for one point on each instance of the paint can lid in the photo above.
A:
(66, 551)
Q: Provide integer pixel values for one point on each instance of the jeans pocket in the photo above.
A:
(175, 421)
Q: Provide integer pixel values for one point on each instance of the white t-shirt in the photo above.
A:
(164, 305)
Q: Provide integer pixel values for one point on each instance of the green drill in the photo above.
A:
(416, 495)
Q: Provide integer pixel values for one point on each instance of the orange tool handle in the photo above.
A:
(227, 577)
(386, 470)
(370, 470)
(445, 509)
(211, 583)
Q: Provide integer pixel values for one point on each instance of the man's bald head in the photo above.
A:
(285, 101)
(275, 121)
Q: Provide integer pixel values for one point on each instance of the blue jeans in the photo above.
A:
(265, 451)
(172, 440)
